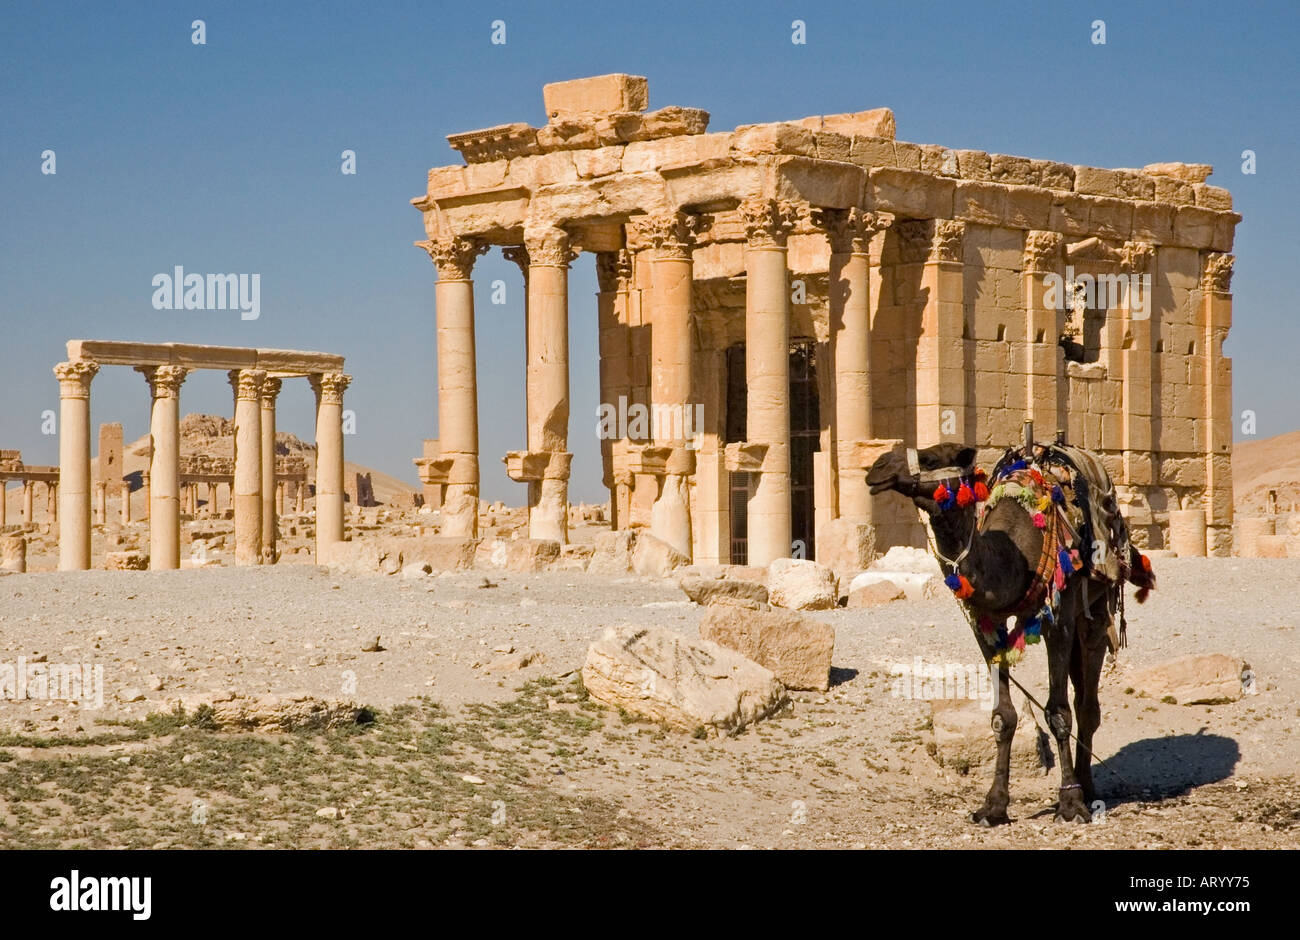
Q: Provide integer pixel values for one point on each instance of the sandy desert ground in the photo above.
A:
(466, 748)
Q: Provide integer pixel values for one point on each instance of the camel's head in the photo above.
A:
(914, 473)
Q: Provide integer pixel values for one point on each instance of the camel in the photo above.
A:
(998, 558)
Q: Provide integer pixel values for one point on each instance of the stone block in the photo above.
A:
(725, 591)
(1207, 678)
(601, 94)
(796, 649)
(798, 584)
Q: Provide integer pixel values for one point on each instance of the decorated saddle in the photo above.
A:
(1069, 496)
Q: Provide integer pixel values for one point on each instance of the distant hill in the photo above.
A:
(213, 435)
(1272, 463)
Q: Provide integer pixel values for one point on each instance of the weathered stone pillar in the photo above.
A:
(29, 502)
(673, 425)
(941, 355)
(767, 373)
(52, 502)
(547, 466)
(1216, 371)
(613, 276)
(126, 503)
(101, 503)
(1135, 369)
(300, 497)
(1043, 381)
(162, 483)
(146, 490)
(279, 498)
(329, 388)
(270, 390)
(4, 499)
(74, 464)
(247, 501)
(457, 380)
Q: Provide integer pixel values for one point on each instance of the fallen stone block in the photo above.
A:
(517, 554)
(13, 552)
(655, 558)
(963, 738)
(795, 648)
(687, 684)
(731, 591)
(798, 584)
(1207, 678)
(291, 712)
(612, 552)
(875, 594)
(126, 561)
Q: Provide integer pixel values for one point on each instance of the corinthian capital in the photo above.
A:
(74, 377)
(922, 240)
(670, 233)
(1216, 275)
(1136, 257)
(549, 246)
(848, 230)
(329, 386)
(768, 222)
(454, 256)
(1043, 252)
(247, 383)
(519, 255)
(271, 391)
(164, 381)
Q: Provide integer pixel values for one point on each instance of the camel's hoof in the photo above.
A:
(988, 819)
(1077, 815)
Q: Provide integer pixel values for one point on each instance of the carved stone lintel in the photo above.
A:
(247, 383)
(1043, 252)
(329, 386)
(454, 257)
(768, 222)
(74, 377)
(613, 269)
(1216, 272)
(849, 230)
(164, 381)
(1136, 257)
(549, 246)
(670, 233)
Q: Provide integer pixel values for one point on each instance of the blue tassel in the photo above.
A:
(1063, 559)
(953, 581)
(1018, 465)
(1058, 495)
(1033, 630)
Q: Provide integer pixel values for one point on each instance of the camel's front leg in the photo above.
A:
(994, 810)
(1060, 647)
(1085, 674)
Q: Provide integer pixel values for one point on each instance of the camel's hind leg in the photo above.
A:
(1060, 651)
(994, 810)
(1089, 657)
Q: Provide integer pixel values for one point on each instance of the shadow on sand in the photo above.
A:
(1160, 768)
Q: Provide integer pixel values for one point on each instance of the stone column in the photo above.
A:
(549, 255)
(212, 501)
(101, 503)
(29, 502)
(1216, 372)
(457, 380)
(941, 354)
(126, 504)
(270, 390)
(300, 497)
(4, 498)
(247, 384)
(162, 483)
(279, 498)
(52, 502)
(1135, 370)
(329, 388)
(146, 490)
(671, 237)
(613, 276)
(74, 464)
(767, 373)
(1043, 254)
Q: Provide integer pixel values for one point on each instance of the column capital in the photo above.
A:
(767, 222)
(164, 381)
(849, 230)
(930, 240)
(247, 383)
(517, 254)
(270, 391)
(454, 256)
(670, 232)
(551, 247)
(1216, 272)
(74, 377)
(329, 386)
(613, 269)
(1043, 252)
(1136, 257)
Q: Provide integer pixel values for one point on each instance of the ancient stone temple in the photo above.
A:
(780, 303)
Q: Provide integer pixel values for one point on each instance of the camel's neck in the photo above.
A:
(998, 576)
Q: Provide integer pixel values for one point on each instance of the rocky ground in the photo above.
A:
(482, 734)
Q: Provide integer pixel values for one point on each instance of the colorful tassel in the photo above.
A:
(1146, 563)
(1040, 521)
(964, 496)
(1063, 560)
(981, 490)
(941, 494)
(1058, 495)
(953, 581)
(1143, 594)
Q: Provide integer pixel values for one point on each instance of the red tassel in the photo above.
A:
(1036, 476)
(941, 494)
(981, 491)
(964, 496)
(1146, 563)
(980, 475)
(1142, 595)
(965, 590)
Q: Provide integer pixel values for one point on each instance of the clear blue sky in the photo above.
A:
(225, 158)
